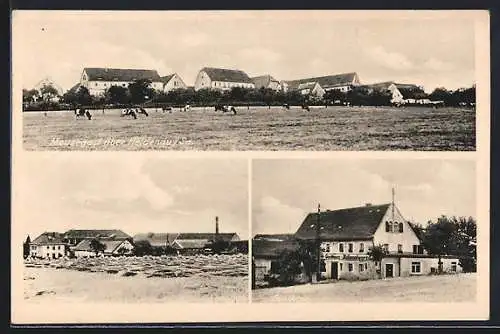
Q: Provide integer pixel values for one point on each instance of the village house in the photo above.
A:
(49, 245)
(347, 235)
(172, 82)
(111, 248)
(74, 237)
(266, 81)
(401, 93)
(98, 80)
(222, 79)
(47, 82)
(342, 82)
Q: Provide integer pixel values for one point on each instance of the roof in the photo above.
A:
(274, 237)
(118, 74)
(205, 236)
(326, 82)
(167, 78)
(48, 238)
(407, 90)
(74, 89)
(183, 244)
(226, 75)
(111, 245)
(263, 81)
(90, 234)
(271, 249)
(156, 239)
(344, 224)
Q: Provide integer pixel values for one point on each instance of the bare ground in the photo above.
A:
(447, 288)
(332, 128)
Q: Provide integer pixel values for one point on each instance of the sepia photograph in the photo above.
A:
(134, 230)
(246, 80)
(386, 230)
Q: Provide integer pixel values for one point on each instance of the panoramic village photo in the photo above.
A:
(245, 81)
(391, 230)
(127, 229)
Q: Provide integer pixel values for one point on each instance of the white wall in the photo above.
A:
(175, 83)
(202, 81)
(407, 239)
(124, 245)
(48, 251)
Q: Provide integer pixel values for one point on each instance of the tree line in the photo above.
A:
(455, 236)
(141, 92)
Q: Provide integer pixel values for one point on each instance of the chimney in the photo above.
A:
(368, 204)
(216, 225)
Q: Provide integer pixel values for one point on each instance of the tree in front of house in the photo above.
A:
(440, 239)
(376, 254)
(97, 247)
(30, 96)
(142, 247)
(140, 90)
(26, 247)
(48, 92)
(117, 95)
(286, 268)
(334, 95)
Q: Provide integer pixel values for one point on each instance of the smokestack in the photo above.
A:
(216, 225)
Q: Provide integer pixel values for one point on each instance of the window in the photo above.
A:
(48, 247)
(341, 247)
(454, 266)
(415, 249)
(415, 267)
(400, 248)
(400, 227)
(361, 247)
(328, 248)
(387, 226)
(341, 266)
(366, 265)
(361, 267)
(349, 266)
(386, 247)
(350, 247)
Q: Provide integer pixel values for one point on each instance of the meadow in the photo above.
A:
(256, 129)
(213, 278)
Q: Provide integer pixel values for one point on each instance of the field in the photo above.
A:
(256, 129)
(437, 289)
(217, 278)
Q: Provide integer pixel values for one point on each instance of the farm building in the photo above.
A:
(266, 81)
(98, 80)
(74, 237)
(222, 79)
(193, 242)
(172, 82)
(156, 240)
(48, 245)
(347, 235)
(342, 82)
(402, 93)
(111, 248)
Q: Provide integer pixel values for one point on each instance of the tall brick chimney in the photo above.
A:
(216, 226)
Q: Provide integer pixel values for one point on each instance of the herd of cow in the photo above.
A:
(137, 110)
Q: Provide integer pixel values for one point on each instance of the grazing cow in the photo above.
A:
(305, 107)
(128, 112)
(141, 110)
(165, 109)
(225, 109)
(187, 107)
(82, 113)
(286, 106)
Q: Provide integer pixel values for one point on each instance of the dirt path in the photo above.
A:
(449, 288)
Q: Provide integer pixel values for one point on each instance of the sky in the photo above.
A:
(134, 194)
(285, 191)
(433, 51)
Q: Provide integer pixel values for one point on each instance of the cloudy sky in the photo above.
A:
(135, 194)
(284, 191)
(434, 51)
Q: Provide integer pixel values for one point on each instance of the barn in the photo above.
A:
(222, 79)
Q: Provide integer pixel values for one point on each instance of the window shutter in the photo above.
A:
(387, 227)
(415, 247)
(400, 227)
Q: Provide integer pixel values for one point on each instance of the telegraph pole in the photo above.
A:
(318, 245)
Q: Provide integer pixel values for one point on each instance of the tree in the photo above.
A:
(140, 90)
(117, 95)
(377, 253)
(142, 247)
(97, 246)
(334, 95)
(30, 96)
(48, 92)
(26, 247)
(440, 239)
(219, 246)
(287, 267)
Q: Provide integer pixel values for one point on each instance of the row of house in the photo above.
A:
(98, 80)
(346, 237)
(54, 245)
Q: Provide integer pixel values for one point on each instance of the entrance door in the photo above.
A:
(335, 270)
(389, 270)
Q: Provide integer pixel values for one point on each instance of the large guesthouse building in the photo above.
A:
(222, 79)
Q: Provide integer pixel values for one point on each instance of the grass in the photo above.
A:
(446, 288)
(333, 128)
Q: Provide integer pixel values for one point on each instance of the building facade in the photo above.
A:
(222, 79)
(342, 82)
(98, 80)
(111, 248)
(267, 81)
(172, 82)
(49, 245)
(401, 93)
